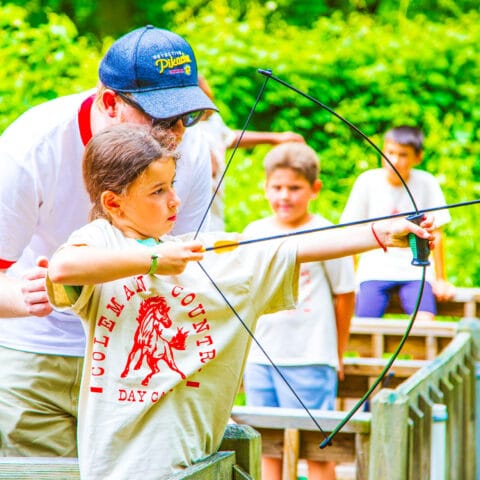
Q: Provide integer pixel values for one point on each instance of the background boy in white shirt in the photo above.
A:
(307, 343)
(380, 192)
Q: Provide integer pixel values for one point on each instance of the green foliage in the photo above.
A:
(114, 17)
(376, 74)
(376, 71)
(40, 63)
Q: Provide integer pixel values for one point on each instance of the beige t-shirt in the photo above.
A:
(184, 348)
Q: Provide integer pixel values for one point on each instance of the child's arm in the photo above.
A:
(344, 304)
(84, 265)
(349, 241)
(442, 288)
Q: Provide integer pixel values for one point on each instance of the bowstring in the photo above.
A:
(335, 226)
(234, 150)
(260, 346)
(230, 306)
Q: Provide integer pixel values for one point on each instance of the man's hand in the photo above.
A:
(34, 291)
(285, 137)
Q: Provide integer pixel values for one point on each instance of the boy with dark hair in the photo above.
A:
(380, 192)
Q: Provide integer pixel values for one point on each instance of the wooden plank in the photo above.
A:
(464, 304)
(282, 418)
(362, 456)
(373, 366)
(396, 326)
(39, 468)
(372, 337)
(342, 449)
(389, 436)
(218, 466)
(359, 372)
(240, 474)
(291, 449)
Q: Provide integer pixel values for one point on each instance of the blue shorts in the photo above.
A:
(373, 297)
(316, 385)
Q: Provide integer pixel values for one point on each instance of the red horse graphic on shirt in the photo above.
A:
(149, 342)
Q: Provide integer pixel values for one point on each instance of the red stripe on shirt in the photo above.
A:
(193, 384)
(4, 264)
(84, 119)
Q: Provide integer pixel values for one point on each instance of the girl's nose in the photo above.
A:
(174, 200)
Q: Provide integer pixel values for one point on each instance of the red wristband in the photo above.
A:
(380, 244)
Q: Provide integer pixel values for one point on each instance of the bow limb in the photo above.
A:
(268, 74)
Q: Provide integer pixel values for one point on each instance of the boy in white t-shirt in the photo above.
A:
(164, 352)
(307, 343)
(380, 192)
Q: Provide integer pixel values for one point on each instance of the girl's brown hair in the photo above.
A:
(118, 155)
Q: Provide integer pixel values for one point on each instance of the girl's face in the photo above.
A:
(149, 207)
(289, 194)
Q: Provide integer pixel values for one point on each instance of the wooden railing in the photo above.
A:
(393, 441)
(291, 434)
(237, 459)
(373, 337)
(402, 418)
(464, 304)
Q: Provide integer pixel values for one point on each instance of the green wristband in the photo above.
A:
(153, 265)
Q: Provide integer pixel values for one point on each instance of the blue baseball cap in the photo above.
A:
(157, 68)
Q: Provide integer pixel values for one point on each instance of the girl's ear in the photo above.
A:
(111, 203)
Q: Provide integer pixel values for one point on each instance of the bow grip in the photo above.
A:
(419, 246)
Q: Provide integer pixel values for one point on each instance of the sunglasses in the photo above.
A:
(187, 119)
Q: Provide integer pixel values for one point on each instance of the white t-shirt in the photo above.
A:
(308, 334)
(180, 330)
(373, 196)
(43, 200)
(218, 137)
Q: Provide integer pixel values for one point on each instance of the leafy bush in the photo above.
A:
(41, 63)
(375, 74)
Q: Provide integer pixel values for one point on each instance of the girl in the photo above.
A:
(165, 353)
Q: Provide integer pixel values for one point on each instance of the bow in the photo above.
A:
(419, 248)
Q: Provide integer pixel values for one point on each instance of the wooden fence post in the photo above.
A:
(246, 442)
(389, 436)
(472, 326)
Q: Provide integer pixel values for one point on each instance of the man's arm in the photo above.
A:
(344, 304)
(251, 138)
